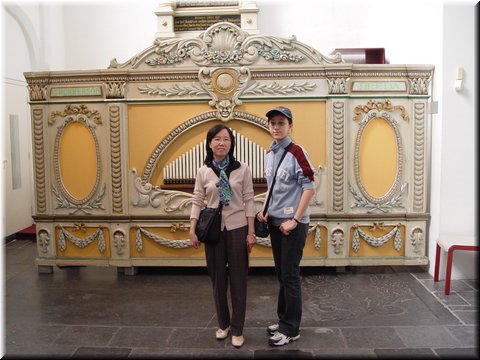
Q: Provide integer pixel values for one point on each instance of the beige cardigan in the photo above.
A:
(235, 214)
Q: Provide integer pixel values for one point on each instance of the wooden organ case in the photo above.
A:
(116, 150)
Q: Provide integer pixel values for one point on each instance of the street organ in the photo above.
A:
(116, 150)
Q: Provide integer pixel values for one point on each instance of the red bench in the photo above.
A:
(450, 243)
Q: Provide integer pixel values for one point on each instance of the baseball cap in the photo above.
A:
(282, 110)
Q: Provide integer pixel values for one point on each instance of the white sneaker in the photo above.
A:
(279, 339)
(272, 329)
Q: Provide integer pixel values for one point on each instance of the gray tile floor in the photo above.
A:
(358, 312)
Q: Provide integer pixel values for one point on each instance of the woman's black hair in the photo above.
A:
(214, 130)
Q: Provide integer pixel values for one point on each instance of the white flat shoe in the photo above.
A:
(238, 341)
(222, 334)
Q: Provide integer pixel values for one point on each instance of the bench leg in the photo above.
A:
(437, 263)
(448, 274)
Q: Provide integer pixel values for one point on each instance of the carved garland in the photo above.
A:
(255, 89)
(183, 244)
(79, 242)
(376, 241)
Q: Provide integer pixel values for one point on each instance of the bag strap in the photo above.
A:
(275, 177)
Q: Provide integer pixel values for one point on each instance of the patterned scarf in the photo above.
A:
(223, 184)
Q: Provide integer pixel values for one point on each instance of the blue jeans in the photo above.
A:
(287, 253)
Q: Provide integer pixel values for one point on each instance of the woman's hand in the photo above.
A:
(261, 217)
(288, 226)
(194, 240)
(251, 240)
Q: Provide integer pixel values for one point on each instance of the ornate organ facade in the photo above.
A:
(116, 150)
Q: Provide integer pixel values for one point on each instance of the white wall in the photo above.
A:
(457, 195)
(18, 202)
(72, 35)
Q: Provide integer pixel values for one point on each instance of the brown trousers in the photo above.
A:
(227, 261)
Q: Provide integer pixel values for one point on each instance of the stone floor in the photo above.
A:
(355, 312)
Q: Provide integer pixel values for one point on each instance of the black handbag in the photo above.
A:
(261, 227)
(208, 225)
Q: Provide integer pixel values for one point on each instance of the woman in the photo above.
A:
(288, 216)
(224, 180)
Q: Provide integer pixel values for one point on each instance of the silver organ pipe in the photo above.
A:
(183, 170)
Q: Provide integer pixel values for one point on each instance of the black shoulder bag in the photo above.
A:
(261, 228)
(208, 225)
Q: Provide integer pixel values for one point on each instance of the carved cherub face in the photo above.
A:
(225, 109)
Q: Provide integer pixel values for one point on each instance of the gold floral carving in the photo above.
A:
(381, 106)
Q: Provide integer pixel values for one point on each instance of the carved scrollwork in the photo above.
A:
(392, 197)
(82, 115)
(226, 44)
(224, 86)
(380, 106)
(154, 196)
(75, 111)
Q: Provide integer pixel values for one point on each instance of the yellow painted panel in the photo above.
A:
(260, 251)
(378, 157)
(387, 249)
(309, 124)
(149, 124)
(78, 160)
(91, 251)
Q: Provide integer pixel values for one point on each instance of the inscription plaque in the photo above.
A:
(379, 86)
(76, 91)
(200, 23)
